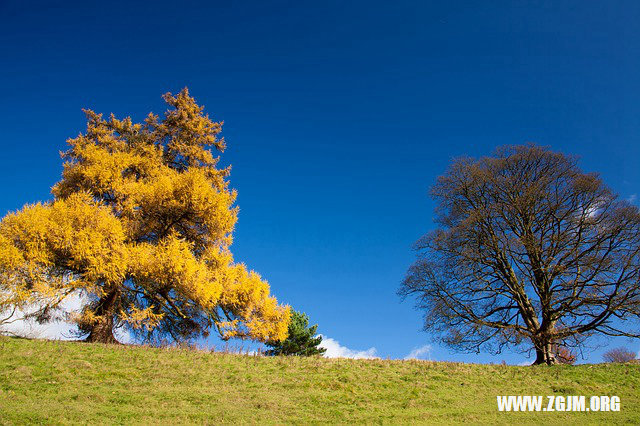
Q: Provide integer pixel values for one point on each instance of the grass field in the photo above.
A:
(66, 382)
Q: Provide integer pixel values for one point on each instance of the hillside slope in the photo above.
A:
(67, 382)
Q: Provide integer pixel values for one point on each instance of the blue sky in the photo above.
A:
(338, 117)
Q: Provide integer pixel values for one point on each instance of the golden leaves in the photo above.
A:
(171, 264)
(141, 318)
(45, 250)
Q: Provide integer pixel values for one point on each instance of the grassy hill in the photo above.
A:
(67, 382)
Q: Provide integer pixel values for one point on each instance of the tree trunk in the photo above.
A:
(544, 354)
(102, 329)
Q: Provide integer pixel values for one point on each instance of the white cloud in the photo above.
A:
(57, 329)
(632, 198)
(123, 336)
(592, 211)
(336, 350)
(422, 352)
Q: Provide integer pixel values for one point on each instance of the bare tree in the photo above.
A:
(528, 248)
(619, 355)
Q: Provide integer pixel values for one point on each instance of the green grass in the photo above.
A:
(67, 382)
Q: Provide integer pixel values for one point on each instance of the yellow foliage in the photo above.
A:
(142, 222)
(245, 301)
(46, 249)
(141, 318)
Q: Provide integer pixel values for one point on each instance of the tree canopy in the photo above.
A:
(301, 339)
(619, 355)
(528, 248)
(141, 225)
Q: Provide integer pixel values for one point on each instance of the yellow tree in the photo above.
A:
(141, 224)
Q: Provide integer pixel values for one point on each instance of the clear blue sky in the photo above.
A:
(338, 117)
